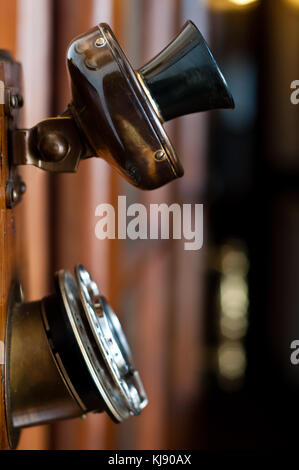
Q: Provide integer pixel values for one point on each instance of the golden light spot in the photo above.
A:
(293, 3)
(226, 5)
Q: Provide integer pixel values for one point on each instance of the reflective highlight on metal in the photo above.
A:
(67, 355)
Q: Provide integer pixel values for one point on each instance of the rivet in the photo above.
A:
(100, 42)
(159, 155)
(14, 101)
(53, 146)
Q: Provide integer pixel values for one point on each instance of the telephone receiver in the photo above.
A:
(117, 113)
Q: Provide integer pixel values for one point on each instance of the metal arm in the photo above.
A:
(54, 145)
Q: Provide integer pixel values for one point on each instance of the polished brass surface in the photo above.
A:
(117, 113)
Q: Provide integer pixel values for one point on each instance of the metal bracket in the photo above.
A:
(53, 145)
(12, 100)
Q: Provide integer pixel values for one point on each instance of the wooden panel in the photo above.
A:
(7, 239)
(9, 76)
(8, 11)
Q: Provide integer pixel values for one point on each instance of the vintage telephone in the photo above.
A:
(82, 359)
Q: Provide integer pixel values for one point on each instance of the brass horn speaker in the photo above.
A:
(117, 113)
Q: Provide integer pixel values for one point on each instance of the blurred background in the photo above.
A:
(210, 330)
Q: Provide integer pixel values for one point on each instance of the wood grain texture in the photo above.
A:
(9, 75)
(8, 15)
(7, 221)
(74, 198)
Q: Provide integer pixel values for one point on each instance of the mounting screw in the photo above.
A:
(16, 101)
(100, 42)
(159, 155)
(15, 188)
(14, 196)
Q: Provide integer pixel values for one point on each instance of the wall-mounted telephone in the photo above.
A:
(82, 361)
